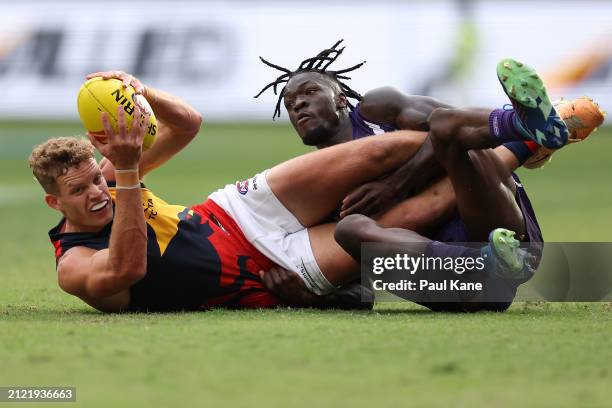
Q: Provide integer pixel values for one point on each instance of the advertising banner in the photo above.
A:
(208, 52)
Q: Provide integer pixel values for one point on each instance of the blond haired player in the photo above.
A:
(178, 257)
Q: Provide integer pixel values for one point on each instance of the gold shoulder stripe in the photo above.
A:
(161, 216)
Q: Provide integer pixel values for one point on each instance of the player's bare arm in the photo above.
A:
(389, 105)
(178, 123)
(102, 278)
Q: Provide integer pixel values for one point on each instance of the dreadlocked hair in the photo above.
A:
(318, 63)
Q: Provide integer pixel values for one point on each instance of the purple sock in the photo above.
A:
(503, 127)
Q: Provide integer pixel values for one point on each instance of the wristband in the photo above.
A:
(132, 187)
(122, 171)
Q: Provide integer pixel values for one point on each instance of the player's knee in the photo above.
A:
(441, 122)
(351, 231)
(444, 126)
(350, 227)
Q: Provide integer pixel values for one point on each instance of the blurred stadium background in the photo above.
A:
(207, 53)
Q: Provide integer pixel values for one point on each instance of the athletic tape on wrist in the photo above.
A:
(132, 187)
(123, 171)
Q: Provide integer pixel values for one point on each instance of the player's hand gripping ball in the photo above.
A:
(105, 95)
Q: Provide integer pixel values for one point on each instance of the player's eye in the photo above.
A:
(77, 190)
(288, 104)
(311, 91)
(97, 179)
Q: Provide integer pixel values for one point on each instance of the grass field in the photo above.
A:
(537, 354)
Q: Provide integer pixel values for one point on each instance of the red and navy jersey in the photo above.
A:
(196, 258)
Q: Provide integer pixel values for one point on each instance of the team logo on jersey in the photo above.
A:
(242, 186)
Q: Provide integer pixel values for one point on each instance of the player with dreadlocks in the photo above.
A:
(317, 64)
(478, 177)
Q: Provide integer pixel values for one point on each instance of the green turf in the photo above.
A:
(534, 355)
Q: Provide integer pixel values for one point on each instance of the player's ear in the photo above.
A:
(53, 201)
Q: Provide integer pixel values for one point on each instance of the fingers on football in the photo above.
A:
(106, 124)
(115, 74)
(140, 87)
(101, 74)
(140, 123)
(95, 142)
(127, 80)
(107, 74)
(121, 122)
(94, 74)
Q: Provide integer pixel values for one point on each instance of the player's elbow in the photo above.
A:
(130, 271)
(114, 283)
(103, 289)
(138, 273)
(196, 120)
(193, 124)
(135, 271)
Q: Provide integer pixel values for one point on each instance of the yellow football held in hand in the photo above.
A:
(105, 95)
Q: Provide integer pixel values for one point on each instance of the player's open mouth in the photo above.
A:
(99, 206)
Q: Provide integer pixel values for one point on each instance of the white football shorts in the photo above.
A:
(272, 229)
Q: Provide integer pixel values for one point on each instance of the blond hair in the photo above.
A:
(54, 157)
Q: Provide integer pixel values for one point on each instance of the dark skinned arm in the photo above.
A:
(389, 105)
(411, 112)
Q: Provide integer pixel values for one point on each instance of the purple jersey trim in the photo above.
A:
(363, 127)
(455, 230)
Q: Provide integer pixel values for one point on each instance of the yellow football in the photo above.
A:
(105, 95)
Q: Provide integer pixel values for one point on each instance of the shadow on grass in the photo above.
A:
(47, 313)
(518, 308)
